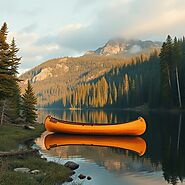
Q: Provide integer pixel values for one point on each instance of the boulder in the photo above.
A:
(89, 178)
(22, 170)
(81, 176)
(35, 172)
(72, 165)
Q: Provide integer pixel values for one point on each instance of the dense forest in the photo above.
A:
(154, 81)
(12, 104)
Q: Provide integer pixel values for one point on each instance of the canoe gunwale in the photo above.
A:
(54, 120)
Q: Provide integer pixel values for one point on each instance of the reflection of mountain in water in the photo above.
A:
(165, 139)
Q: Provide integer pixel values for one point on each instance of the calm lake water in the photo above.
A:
(157, 157)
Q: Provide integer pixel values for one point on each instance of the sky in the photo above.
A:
(45, 29)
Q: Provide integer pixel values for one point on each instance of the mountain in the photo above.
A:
(123, 47)
(54, 78)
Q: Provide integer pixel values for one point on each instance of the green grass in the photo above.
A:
(50, 172)
(12, 136)
(10, 139)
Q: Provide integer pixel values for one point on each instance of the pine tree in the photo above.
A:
(29, 102)
(177, 54)
(165, 66)
(14, 60)
(5, 78)
(9, 90)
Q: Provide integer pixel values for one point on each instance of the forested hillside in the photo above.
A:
(156, 81)
(150, 80)
(124, 86)
(54, 78)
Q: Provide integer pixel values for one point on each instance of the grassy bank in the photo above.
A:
(12, 137)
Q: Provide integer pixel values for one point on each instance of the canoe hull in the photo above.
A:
(134, 128)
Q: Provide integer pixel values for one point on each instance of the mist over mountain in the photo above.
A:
(125, 47)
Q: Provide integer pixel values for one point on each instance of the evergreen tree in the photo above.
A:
(9, 90)
(177, 54)
(14, 60)
(29, 102)
(5, 78)
(166, 94)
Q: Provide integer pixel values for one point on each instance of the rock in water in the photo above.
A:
(89, 178)
(81, 176)
(72, 165)
(22, 170)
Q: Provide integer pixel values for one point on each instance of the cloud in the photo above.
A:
(33, 54)
(30, 28)
(73, 27)
(143, 19)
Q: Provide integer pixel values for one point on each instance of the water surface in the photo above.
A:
(157, 157)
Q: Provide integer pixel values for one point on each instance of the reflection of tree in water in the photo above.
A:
(167, 146)
(90, 116)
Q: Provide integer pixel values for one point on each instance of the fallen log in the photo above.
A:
(18, 153)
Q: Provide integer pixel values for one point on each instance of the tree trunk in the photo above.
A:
(179, 133)
(16, 153)
(178, 87)
(169, 80)
(3, 111)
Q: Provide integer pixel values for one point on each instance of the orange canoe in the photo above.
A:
(134, 128)
(135, 144)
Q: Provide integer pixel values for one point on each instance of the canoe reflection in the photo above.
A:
(136, 144)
